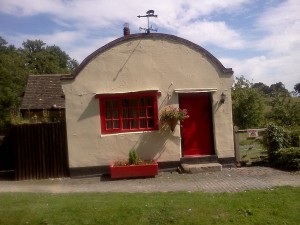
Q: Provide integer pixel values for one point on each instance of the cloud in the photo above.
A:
(105, 19)
(29, 7)
(104, 13)
(216, 33)
(283, 30)
(267, 50)
(268, 70)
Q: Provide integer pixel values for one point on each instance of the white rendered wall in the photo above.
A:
(136, 66)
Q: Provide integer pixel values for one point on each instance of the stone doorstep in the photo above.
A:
(203, 167)
(199, 159)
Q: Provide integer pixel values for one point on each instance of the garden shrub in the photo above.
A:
(287, 158)
(295, 138)
(274, 139)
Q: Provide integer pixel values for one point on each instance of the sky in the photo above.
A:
(259, 39)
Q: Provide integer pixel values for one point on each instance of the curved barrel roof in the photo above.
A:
(158, 36)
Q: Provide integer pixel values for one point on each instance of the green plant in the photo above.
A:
(275, 138)
(295, 138)
(288, 158)
(247, 105)
(285, 110)
(133, 157)
(171, 112)
(16, 117)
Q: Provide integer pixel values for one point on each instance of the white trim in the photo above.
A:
(127, 133)
(128, 92)
(194, 90)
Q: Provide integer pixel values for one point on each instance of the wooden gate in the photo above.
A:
(39, 150)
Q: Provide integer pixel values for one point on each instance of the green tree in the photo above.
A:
(262, 87)
(297, 89)
(247, 104)
(13, 75)
(279, 88)
(285, 110)
(16, 64)
(42, 59)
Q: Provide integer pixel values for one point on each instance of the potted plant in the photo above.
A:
(133, 167)
(170, 115)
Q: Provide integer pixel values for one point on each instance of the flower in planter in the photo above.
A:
(170, 115)
(133, 159)
(133, 167)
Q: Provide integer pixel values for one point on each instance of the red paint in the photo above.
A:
(196, 131)
(116, 117)
(147, 170)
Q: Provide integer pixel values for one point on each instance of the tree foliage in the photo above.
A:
(274, 89)
(42, 59)
(279, 88)
(258, 104)
(262, 87)
(297, 88)
(285, 111)
(247, 104)
(35, 57)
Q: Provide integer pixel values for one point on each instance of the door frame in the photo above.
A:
(212, 122)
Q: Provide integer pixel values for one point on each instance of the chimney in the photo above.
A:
(126, 29)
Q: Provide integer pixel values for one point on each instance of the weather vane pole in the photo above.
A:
(149, 13)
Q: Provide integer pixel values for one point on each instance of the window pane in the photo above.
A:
(115, 104)
(150, 123)
(125, 113)
(134, 124)
(127, 102)
(108, 115)
(109, 124)
(149, 101)
(126, 124)
(107, 104)
(143, 123)
(141, 101)
(150, 112)
(116, 114)
(116, 124)
(142, 112)
(132, 113)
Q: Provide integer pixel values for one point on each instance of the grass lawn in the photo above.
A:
(278, 206)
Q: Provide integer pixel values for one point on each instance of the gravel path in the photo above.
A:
(227, 180)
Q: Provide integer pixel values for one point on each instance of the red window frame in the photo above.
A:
(128, 112)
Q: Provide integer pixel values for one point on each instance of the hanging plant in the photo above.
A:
(170, 115)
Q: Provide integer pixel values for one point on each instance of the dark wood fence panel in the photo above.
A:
(40, 151)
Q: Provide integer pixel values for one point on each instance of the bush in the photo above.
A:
(295, 138)
(287, 159)
(274, 139)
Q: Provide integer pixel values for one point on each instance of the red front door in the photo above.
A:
(196, 131)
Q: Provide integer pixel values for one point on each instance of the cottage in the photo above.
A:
(43, 98)
(113, 101)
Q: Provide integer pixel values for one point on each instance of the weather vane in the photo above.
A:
(150, 13)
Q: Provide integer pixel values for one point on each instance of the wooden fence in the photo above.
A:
(39, 150)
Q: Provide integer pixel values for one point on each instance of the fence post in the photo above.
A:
(236, 145)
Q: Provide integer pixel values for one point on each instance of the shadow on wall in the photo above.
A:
(153, 144)
(91, 110)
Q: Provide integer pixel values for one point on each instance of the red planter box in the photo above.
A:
(147, 170)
